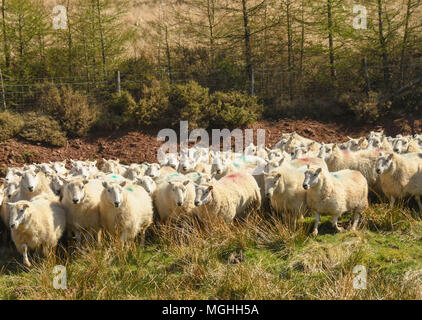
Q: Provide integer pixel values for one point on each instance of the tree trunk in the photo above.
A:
(330, 40)
(405, 37)
(100, 27)
(5, 39)
(248, 50)
(383, 45)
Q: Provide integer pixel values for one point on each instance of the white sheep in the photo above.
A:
(37, 223)
(125, 210)
(335, 194)
(81, 200)
(228, 197)
(401, 175)
(33, 184)
(175, 197)
(283, 187)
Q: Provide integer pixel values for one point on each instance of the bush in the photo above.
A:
(153, 107)
(121, 103)
(44, 129)
(71, 108)
(10, 125)
(188, 102)
(365, 108)
(233, 109)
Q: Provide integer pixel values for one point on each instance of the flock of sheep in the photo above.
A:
(39, 203)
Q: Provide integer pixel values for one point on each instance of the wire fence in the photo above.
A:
(19, 94)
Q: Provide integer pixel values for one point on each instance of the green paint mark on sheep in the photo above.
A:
(335, 176)
(114, 177)
(129, 189)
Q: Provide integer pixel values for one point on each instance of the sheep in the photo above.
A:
(112, 166)
(334, 194)
(175, 198)
(125, 210)
(153, 170)
(81, 200)
(59, 167)
(32, 184)
(135, 171)
(147, 183)
(401, 175)
(228, 197)
(363, 161)
(405, 145)
(283, 187)
(356, 144)
(37, 223)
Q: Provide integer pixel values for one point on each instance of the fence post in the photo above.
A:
(118, 82)
(2, 90)
(252, 80)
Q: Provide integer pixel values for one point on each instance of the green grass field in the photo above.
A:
(259, 258)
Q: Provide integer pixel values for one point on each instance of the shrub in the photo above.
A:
(121, 103)
(10, 125)
(365, 108)
(71, 108)
(44, 129)
(152, 108)
(188, 102)
(233, 109)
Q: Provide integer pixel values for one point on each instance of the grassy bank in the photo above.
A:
(255, 259)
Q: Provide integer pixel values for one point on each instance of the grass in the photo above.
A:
(259, 258)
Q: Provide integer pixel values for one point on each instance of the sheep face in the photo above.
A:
(202, 194)
(153, 170)
(147, 183)
(45, 168)
(172, 161)
(30, 180)
(325, 152)
(384, 164)
(298, 153)
(219, 166)
(400, 145)
(110, 166)
(186, 165)
(250, 150)
(114, 193)
(59, 167)
(56, 184)
(311, 178)
(272, 164)
(12, 188)
(76, 190)
(18, 213)
(204, 178)
(134, 172)
(274, 154)
(272, 181)
(12, 175)
(178, 192)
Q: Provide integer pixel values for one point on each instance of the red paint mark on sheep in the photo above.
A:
(231, 176)
(304, 159)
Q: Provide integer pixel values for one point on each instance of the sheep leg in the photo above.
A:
(25, 255)
(418, 200)
(335, 225)
(317, 218)
(99, 236)
(392, 201)
(124, 237)
(45, 251)
(355, 221)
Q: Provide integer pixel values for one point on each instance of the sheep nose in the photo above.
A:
(396, 150)
(179, 203)
(117, 204)
(268, 194)
(305, 186)
(12, 226)
(75, 201)
(197, 203)
(218, 171)
(185, 168)
(9, 196)
(378, 171)
(31, 189)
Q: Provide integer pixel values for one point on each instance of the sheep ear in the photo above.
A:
(86, 181)
(105, 184)
(186, 182)
(278, 175)
(210, 188)
(123, 183)
(319, 170)
(308, 166)
(25, 206)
